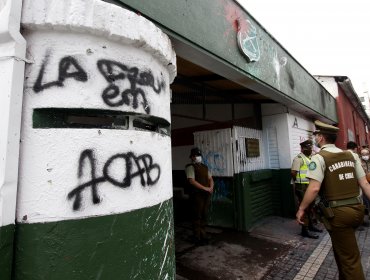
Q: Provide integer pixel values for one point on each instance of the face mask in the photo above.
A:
(198, 159)
(365, 158)
(315, 143)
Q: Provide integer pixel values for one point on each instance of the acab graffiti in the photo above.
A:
(129, 165)
(117, 93)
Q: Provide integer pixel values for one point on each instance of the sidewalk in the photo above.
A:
(272, 250)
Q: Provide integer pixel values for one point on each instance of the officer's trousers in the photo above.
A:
(200, 204)
(342, 232)
(308, 218)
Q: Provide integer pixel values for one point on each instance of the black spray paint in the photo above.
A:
(113, 72)
(68, 68)
(114, 96)
(135, 166)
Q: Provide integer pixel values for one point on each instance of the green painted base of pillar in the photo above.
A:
(133, 245)
(6, 251)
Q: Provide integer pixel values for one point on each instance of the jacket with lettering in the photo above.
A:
(339, 179)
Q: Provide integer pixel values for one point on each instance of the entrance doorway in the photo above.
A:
(205, 101)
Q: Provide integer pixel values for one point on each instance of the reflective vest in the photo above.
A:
(302, 173)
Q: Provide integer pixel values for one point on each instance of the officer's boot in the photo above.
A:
(311, 227)
(305, 233)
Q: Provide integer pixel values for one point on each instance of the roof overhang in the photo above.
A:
(346, 85)
(212, 33)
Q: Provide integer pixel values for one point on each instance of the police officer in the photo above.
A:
(300, 181)
(365, 161)
(335, 174)
(201, 183)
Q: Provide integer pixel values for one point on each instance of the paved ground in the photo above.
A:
(272, 250)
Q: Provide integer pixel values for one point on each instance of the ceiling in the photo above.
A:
(196, 85)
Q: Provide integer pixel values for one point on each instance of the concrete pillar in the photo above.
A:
(95, 185)
(12, 60)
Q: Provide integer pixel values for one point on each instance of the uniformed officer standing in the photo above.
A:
(365, 161)
(300, 182)
(201, 182)
(334, 175)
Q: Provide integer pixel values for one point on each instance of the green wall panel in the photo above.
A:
(262, 193)
(211, 27)
(221, 212)
(254, 197)
(133, 245)
(6, 251)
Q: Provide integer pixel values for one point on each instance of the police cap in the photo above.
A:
(195, 152)
(324, 128)
(306, 144)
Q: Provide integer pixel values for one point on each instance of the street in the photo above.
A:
(272, 250)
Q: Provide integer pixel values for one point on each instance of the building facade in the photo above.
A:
(353, 120)
(105, 99)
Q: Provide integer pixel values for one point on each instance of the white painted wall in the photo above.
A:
(188, 115)
(282, 132)
(300, 130)
(272, 148)
(291, 129)
(83, 51)
(12, 60)
(217, 150)
(275, 117)
(242, 162)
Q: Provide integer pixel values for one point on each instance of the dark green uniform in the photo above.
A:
(338, 171)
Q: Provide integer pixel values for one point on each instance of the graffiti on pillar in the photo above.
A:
(130, 165)
(114, 72)
(215, 162)
(126, 85)
(68, 69)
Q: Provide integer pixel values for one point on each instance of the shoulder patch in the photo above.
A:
(312, 165)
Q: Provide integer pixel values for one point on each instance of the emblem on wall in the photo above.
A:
(247, 40)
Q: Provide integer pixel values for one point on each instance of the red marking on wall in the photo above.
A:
(236, 17)
(236, 25)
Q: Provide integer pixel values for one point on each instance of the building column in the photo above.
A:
(95, 185)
